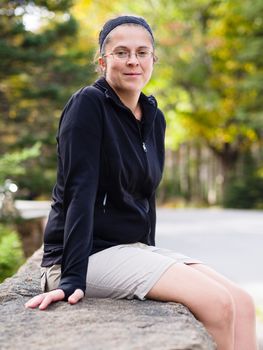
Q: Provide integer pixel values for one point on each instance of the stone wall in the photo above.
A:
(93, 323)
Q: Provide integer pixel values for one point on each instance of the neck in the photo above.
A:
(131, 100)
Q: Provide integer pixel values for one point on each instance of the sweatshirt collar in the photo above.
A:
(104, 86)
(149, 103)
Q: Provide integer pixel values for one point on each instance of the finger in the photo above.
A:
(76, 296)
(45, 302)
(50, 297)
(34, 302)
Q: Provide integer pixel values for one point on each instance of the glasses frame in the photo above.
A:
(129, 54)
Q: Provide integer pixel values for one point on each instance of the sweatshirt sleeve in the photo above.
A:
(152, 213)
(160, 136)
(79, 143)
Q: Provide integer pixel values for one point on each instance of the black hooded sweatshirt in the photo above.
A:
(109, 166)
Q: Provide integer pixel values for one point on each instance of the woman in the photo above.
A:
(101, 229)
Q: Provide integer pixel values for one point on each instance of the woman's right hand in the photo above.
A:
(43, 300)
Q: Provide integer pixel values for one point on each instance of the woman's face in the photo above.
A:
(130, 74)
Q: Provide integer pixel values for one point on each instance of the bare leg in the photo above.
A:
(245, 318)
(209, 300)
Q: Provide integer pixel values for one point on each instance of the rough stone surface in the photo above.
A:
(93, 323)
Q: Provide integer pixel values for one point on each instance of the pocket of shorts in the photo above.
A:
(43, 279)
(53, 274)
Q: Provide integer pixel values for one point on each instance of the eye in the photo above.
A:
(143, 53)
(121, 53)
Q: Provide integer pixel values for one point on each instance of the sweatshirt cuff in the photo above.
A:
(69, 290)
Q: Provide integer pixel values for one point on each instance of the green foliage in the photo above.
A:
(12, 164)
(39, 70)
(11, 254)
(244, 193)
(246, 190)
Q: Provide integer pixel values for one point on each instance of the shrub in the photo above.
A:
(245, 190)
(11, 253)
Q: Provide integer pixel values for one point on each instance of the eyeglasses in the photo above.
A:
(125, 54)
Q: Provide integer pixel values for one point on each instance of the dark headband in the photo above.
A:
(113, 23)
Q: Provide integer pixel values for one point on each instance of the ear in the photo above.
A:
(155, 58)
(102, 63)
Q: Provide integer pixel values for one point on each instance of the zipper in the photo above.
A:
(104, 202)
(140, 133)
(144, 147)
(141, 138)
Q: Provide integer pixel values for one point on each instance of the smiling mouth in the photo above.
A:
(132, 74)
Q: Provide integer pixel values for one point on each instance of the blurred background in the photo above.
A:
(208, 82)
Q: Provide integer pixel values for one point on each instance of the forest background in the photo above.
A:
(208, 82)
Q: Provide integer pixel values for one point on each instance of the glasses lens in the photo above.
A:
(143, 54)
(121, 54)
(125, 54)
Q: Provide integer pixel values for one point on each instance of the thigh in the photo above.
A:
(124, 271)
(211, 273)
(184, 284)
(240, 296)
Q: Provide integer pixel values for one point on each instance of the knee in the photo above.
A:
(244, 304)
(224, 310)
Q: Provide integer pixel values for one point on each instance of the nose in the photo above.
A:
(133, 59)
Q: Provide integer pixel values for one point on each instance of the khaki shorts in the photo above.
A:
(123, 271)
